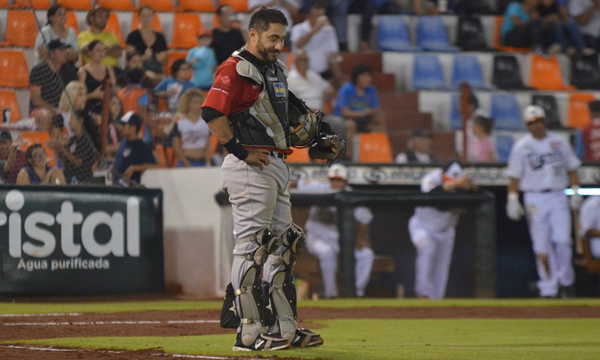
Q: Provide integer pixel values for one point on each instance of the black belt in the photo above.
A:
(278, 155)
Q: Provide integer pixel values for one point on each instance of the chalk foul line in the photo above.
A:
(141, 322)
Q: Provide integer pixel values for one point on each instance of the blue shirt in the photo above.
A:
(347, 97)
(206, 60)
(134, 152)
(514, 8)
(181, 87)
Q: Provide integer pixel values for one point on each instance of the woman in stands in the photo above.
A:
(55, 29)
(37, 172)
(112, 137)
(94, 75)
(149, 43)
(191, 136)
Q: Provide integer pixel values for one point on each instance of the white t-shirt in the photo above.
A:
(318, 47)
(432, 219)
(47, 34)
(542, 165)
(194, 135)
(578, 7)
(589, 218)
(311, 88)
(278, 6)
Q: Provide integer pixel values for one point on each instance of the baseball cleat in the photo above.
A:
(305, 338)
(264, 341)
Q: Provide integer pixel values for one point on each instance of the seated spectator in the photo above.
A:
(318, 38)
(37, 172)
(522, 27)
(79, 154)
(133, 60)
(556, 18)
(55, 30)
(587, 15)
(589, 215)
(368, 8)
(419, 149)
(173, 87)
(149, 43)
(94, 74)
(289, 8)
(12, 160)
(591, 134)
(112, 137)
(226, 38)
(96, 19)
(134, 156)
(72, 99)
(191, 136)
(137, 97)
(203, 60)
(482, 148)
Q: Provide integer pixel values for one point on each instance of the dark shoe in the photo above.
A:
(566, 292)
(305, 338)
(264, 341)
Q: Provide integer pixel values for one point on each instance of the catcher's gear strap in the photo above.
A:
(283, 293)
(267, 242)
(248, 297)
(294, 241)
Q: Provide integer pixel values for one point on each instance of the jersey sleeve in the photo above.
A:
(515, 163)
(363, 215)
(224, 90)
(431, 181)
(573, 162)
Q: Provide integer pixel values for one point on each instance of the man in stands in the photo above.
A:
(97, 19)
(591, 134)
(419, 150)
(587, 15)
(12, 160)
(226, 38)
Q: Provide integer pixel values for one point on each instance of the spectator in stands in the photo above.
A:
(191, 136)
(482, 146)
(79, 154)
(555, 17)
(112, 137)
(72, 99)
(589, 219)
(203, 60)
(226, 38)
(339, 14)
(55, 30)
(317, 37)
(97, 19)
(368, 9)
(419, 149)
(587, 15)
(37, 172)
(591, 134)
(289, 8)
(522, 26)
(149, 43)
(173, 87)
(95, 74)
(12, 160)
(134, 156)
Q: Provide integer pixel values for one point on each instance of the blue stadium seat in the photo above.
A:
(506, 112)
(455, 117)
(466, 68)
(393, 34)
(432, 35)
(503, 145)
(427, 73)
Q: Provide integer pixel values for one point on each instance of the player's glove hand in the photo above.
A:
(328, 147)
(576, 199)
(514, 210)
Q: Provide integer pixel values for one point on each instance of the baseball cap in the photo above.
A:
(57, 44)
(453, 170)
(533, 113)
(338, 171)
(204, 32)
(130, 118)
(5, 136)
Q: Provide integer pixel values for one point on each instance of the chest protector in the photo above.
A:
(266, 122)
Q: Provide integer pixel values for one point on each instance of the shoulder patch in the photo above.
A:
(246, 69)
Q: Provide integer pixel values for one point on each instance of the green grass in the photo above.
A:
(114, 307)
(460, 339)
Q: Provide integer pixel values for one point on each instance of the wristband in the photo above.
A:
(512, 196)
(575, 188)
(235, 148)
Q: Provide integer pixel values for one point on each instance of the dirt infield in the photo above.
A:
(204, 322)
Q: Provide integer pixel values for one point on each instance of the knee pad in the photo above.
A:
(267, 242)
(294, 241)
(283, 294)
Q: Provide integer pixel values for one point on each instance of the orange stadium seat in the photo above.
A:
(135, 22)
(374, 148)
(21, 28)
(8, 99)
(112, 25)
(75, 4)
(236, 5)
(29, 138)
(171, 57)
(160, 5)
(185, 30)
(197, 5)
(120, 5)
(299, 156)
(13, 69)
(497, 45)
(130, 98)
(25, 4)
(72, 21)
(545, 74)
(579, 111)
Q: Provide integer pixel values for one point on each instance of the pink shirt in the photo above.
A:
(481, 148)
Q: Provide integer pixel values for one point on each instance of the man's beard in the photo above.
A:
(266, 54)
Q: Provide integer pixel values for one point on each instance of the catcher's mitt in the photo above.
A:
(328, 147)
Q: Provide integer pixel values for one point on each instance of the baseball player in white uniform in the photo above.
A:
(322, 237)
(589, 224)
(542, 165)
(432, 231)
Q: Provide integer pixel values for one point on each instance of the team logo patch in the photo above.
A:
(225, 79)
(279, 90)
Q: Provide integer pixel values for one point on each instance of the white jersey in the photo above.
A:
(589, 218)
(194, 135)
(430, 218)
(542, 165)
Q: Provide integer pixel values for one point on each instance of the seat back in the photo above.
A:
(374, 148)
(185, 30)
(28, 138)
(8, 100)
(545, 74)
(299, 156)
(158, 5)
(466, 68)
(456, 121)
(25, 4)
(130, 98)
(392, 34)
(506, 112)
(507, 73)
(120, 5)
(431, 32)
(384, 82)
(135, 22)
(112, 25)
(550, 106)
(72, 21)
(427, 73)
(197, 5)
(21, 28)
(13, 69)
(504, 144)
(350, 60)
(75, 4)
(579, 110)
(470, 34)
(236, 5)
(585, 72)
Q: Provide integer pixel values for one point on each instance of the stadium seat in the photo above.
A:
(299, 156)
(160, 5)
(13, 69)
(456, 121)
(432, 34)
(548, 103)
(466, 68)
(579, 111)
(498, 45)
(135, 22)
(185, 30)
(585, 72)
(236, 5)
(25, 4)
(197, 5)
(545, 74)
(72, 21)
(507, 73)
(374, 148)
(171, 57)
(350, 60)
(470, 34)
(29, 138)
(8, 99)
(21, 28)
(504, 144)
(393, 34)
(112, 25)
(506, 112)
(119, 5)
(427, 73)
(75, 4)
(384, 82)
